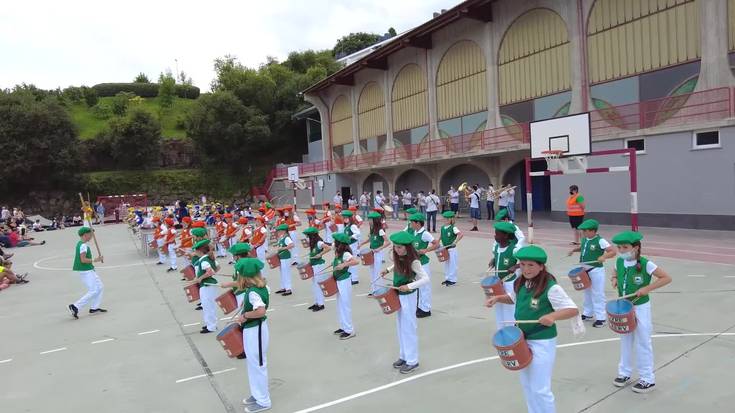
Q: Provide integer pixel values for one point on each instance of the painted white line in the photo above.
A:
(6, 361)
(148, 332)
(103, 341)
(696, 275)
(191, 324)
(270, 309)
(362, 295)
(199, 376)
(224, 318)
(475, 282)
(330, 299)
(37, 265)
(730, 276)
(476, 361)
(53, 351)
(299, 305)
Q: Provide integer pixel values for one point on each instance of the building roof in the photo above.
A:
(419, 36)
(304, 113)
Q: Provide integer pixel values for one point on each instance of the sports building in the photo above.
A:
(451, 100)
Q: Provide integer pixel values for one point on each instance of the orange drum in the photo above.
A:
(367, 256)
(493, 286)
(253, 253)
(621, 316)
(387, 299)
(273, 261)
(512, 348)
(306, 271)
(227, 302)
(192, 292)
(189, 272)
(333, 227)
(328, 285)
(153, 244)
(231, 340)
(442, 254)
(305, 243)
(580, 278)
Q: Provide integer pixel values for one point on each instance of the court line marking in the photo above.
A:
(299, 305)
(730, 276)
(6, 361)
(696, 275)
(330, 299)
(103, 341)
(148, 332)
(37, 264)
(476, 361)
(362, 295)
(199, 376)
(52, 351)
(191, 324)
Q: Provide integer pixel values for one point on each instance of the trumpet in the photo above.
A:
(464, 187)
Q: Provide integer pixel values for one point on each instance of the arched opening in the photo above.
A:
(469, 173)
(541, 186)
(413, 180)
(374, 183)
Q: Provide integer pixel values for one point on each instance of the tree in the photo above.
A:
(38, 141)
(354, 42)
(141, 78)
(392, 32)
(90, 96)
(119, 103)
(134, 140)
(184, 80)
(73, 94)
(166, 90)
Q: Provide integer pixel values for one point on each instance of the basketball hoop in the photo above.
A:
(552, 159)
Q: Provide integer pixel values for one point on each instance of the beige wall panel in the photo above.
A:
(341, 121)
(461, 81)
(731, 23)
(371, 111)
(409, 96)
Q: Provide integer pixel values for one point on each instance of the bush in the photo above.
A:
(119, 105)
(134, 139)
(101, 111)
(90, 96)
(146, 90)
(73, 94)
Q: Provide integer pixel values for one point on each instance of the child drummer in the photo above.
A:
(84, 265)
(238, 251)
(594, 251)
(450, 236)
(504, 265)
(538, 298)
(424, 243)
(352, 230)
(636, 274)
(377, 241)
(408, 276)
(255, 334)
(502, 215)
(317, 249)
(206, 267)
(343, 259)
(283, 248)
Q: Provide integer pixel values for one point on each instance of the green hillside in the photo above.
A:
(90, 124)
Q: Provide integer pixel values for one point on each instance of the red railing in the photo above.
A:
(304, 169)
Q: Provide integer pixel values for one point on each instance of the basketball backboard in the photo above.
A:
(293, 173)
(569, 134)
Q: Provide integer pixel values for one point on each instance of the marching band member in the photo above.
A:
(169, 244)
(206, 267)
(356, 218)
(327, 222)
(377, 241)
(230, 234)
(186, 241)
(633, 275)
(352, 231)
(381, 211)
(239, 251)
(198, 233)
(246, 232)
(408, 275)
(255, 334)
(502, 215)
(538, 297)
(260, 238)
(504, 264)
(84, 265)
(338, 218)
(343, 259)
(423, 242)
(158, 239)
(284, 247)
(219, 228)
(594, 251)
(311, 218)
(409, 227)
(317, 249)
(293, 221)
(450, 236)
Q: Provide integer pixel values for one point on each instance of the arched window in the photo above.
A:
(341, 122)
(371, 118)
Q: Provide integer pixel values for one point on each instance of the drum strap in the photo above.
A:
(260, 342)
(534, 330)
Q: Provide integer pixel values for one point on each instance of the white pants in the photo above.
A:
(256, 346)
(340, 227)
(240, 299)
(375, 269)
(221, 251)
(172, 258)
(186, 260)
(408, 339)
(594, 297)
(286, 274)
(94, 290)
(425, 291)
(450, 266)
(233, 241)
(505, 313)
(296, 250)
(344, 305)
(161, 256)
(354, 276)
(327, 235)
(536, 377)
(260, 251)
(640, 339)
(207, 294)
(315, 288)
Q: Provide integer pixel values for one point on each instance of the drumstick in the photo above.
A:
(623, 297)
(94, 237)
(387, 286)
(520, 322)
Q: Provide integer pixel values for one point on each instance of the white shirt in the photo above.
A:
(363, 200)
(379, 200)
(475, 199)
(421, 277)
(255, 299)
(432, 203)
(650, 266)
(346, 256)
(422, 200)
(453, 196)
(394, 199)
(511, 195)
(425, 236)
(503, 199)
(355, 232)
(205, 265)
(491, 193)
(288, 241)
(351, 202)
(337, 200)
(557, 297)
(83, 248)
(407, 198)
(5, 214)
(37, 225)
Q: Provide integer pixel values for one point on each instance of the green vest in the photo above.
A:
(419, 244)
(78, 264)
(349, 233)
(448, 235)
(529, 308)
(209, 280)
(630, 280)
(263, 293)
(400, 279)
(342, 274)
(375, 241)
(591, 251)
(313, 252)
(504, 260)
(409, 229)
(285, 254)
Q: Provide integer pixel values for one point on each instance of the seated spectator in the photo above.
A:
(5, 272)
(16, 241)
(76, 221)
(37, 227)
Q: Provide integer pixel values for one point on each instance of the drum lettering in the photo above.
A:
(510, 363)
(505, 353)
(386, 309)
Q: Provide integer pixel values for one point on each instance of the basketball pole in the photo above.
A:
(633, 172)
(529, 200)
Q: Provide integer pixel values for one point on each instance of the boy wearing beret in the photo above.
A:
(84, 265)
(450, 236)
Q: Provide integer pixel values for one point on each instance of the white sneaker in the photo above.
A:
(255, 407)
(249, 400)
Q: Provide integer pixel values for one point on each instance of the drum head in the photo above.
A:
(380, 291)
(226, 330)
(575, 271)
(507, 336)
(490, 280)
(619, 306)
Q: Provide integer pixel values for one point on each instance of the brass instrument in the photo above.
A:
(464, 187)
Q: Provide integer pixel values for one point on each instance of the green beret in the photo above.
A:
(248, 267)
(84, 230)
(346, 213)
(374, 215)
(402, 238)
(506, 227)
(268, 205)
(532, 253)
(342, 237)
(417, 217)
(448, 214)
(589, 224)
(412, 210)
(311, 230)
(202, 243)
(282, 227)
(627, 237)
(199, 232)
(241, 248)
(501, 215)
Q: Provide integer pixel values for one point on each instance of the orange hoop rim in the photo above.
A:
(554, 152)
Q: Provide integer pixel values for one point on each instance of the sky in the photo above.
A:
(52, 43)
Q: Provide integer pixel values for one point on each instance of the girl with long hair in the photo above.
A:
(343, 259)
(317, 249)
(378, 241)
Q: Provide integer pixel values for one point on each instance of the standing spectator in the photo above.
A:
(5, 214)
(511, 194)
(453, 200)
(502, 200)
(475, 214)
(338, 199)
(100, 213)
(395, 201)
(407, 199)
(421, 202)
(352, 202)
(379, 200)
(364, 203)
(575, 211)
(432, 207)
(490, 202)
